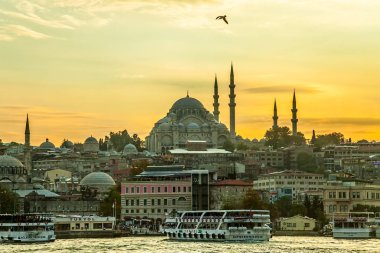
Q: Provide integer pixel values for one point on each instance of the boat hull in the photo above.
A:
(220, 236)
(352, 233)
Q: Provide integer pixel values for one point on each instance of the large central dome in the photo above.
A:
(187, 103)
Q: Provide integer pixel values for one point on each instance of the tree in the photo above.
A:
(242, 146)
(284, 206)
(139, 167)
(281, 137)
(106, 207)
(229, 146)
(8, 200)
(252, 200)
(120, 139)
(306, 162)
(328, 139)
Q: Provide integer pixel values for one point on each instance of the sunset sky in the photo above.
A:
(88, 67)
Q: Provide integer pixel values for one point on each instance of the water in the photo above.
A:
(277, 244)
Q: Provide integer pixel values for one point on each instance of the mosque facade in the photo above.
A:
(188, 119)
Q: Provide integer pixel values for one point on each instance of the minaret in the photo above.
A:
(27, 148)
(313, 138)
(232, 103)
(216, 98)
(294, 115)
(275, 117)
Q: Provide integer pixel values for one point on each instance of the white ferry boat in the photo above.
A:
(377, 226)
(26, 228)
(219, 225)
(354, 225)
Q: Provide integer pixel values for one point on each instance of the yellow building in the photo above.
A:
(296, 223)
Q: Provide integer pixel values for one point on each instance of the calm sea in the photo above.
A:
(160, 244)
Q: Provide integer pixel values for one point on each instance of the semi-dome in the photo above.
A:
(95, 179)
(222, 126)
(7, 161)
(164, 127)
(193, 126)
(47, 145)
(130, 149)
(91, 140)
(187, 103)
(163, 120)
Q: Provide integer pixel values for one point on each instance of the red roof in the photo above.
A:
(232, 182)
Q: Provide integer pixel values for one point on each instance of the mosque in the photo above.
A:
(188, 120)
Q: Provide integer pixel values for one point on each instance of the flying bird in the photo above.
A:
(223, 17)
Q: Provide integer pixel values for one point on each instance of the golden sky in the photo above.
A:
(88, 67)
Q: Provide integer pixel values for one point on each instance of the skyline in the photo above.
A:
(82, 68)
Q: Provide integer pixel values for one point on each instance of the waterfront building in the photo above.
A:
(296, 223)
(290, 183)
(160, 190)
(343, 196)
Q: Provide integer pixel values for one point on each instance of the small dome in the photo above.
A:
(164, 127)
(222, 126)
(97, 179)
(187, 103)
(47, 145)
(67, 144)
(163, 120)
(130, 149)
(91, 140)
(193, 126)
(7, 161)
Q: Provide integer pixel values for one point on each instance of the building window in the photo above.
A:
(132, 202)
(158, 189)
(127, 202)
(158, 210)
(165, 202)
(166, 189)
(132, 189)
(173, 188)
(126, 211)
(159, 202)
(144, 189)
(184, 189)
(152, 189)
(145, 202)
(307, 225)
(137, 202)
(144, 210)
(179, 188)
(189, 189)
(332, 195)
(132, 211)
(137, 189)
(152, 210)
(138, 211)
(173, 202)
(152, 202)
(126, 189)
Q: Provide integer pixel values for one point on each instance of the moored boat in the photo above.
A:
(26, 228)
(353, 225)
(219, 225)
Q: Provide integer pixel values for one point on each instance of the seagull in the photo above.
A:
(223, 17)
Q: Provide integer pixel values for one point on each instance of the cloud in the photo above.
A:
(282, 89)
(342, 121)
(12, 31)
